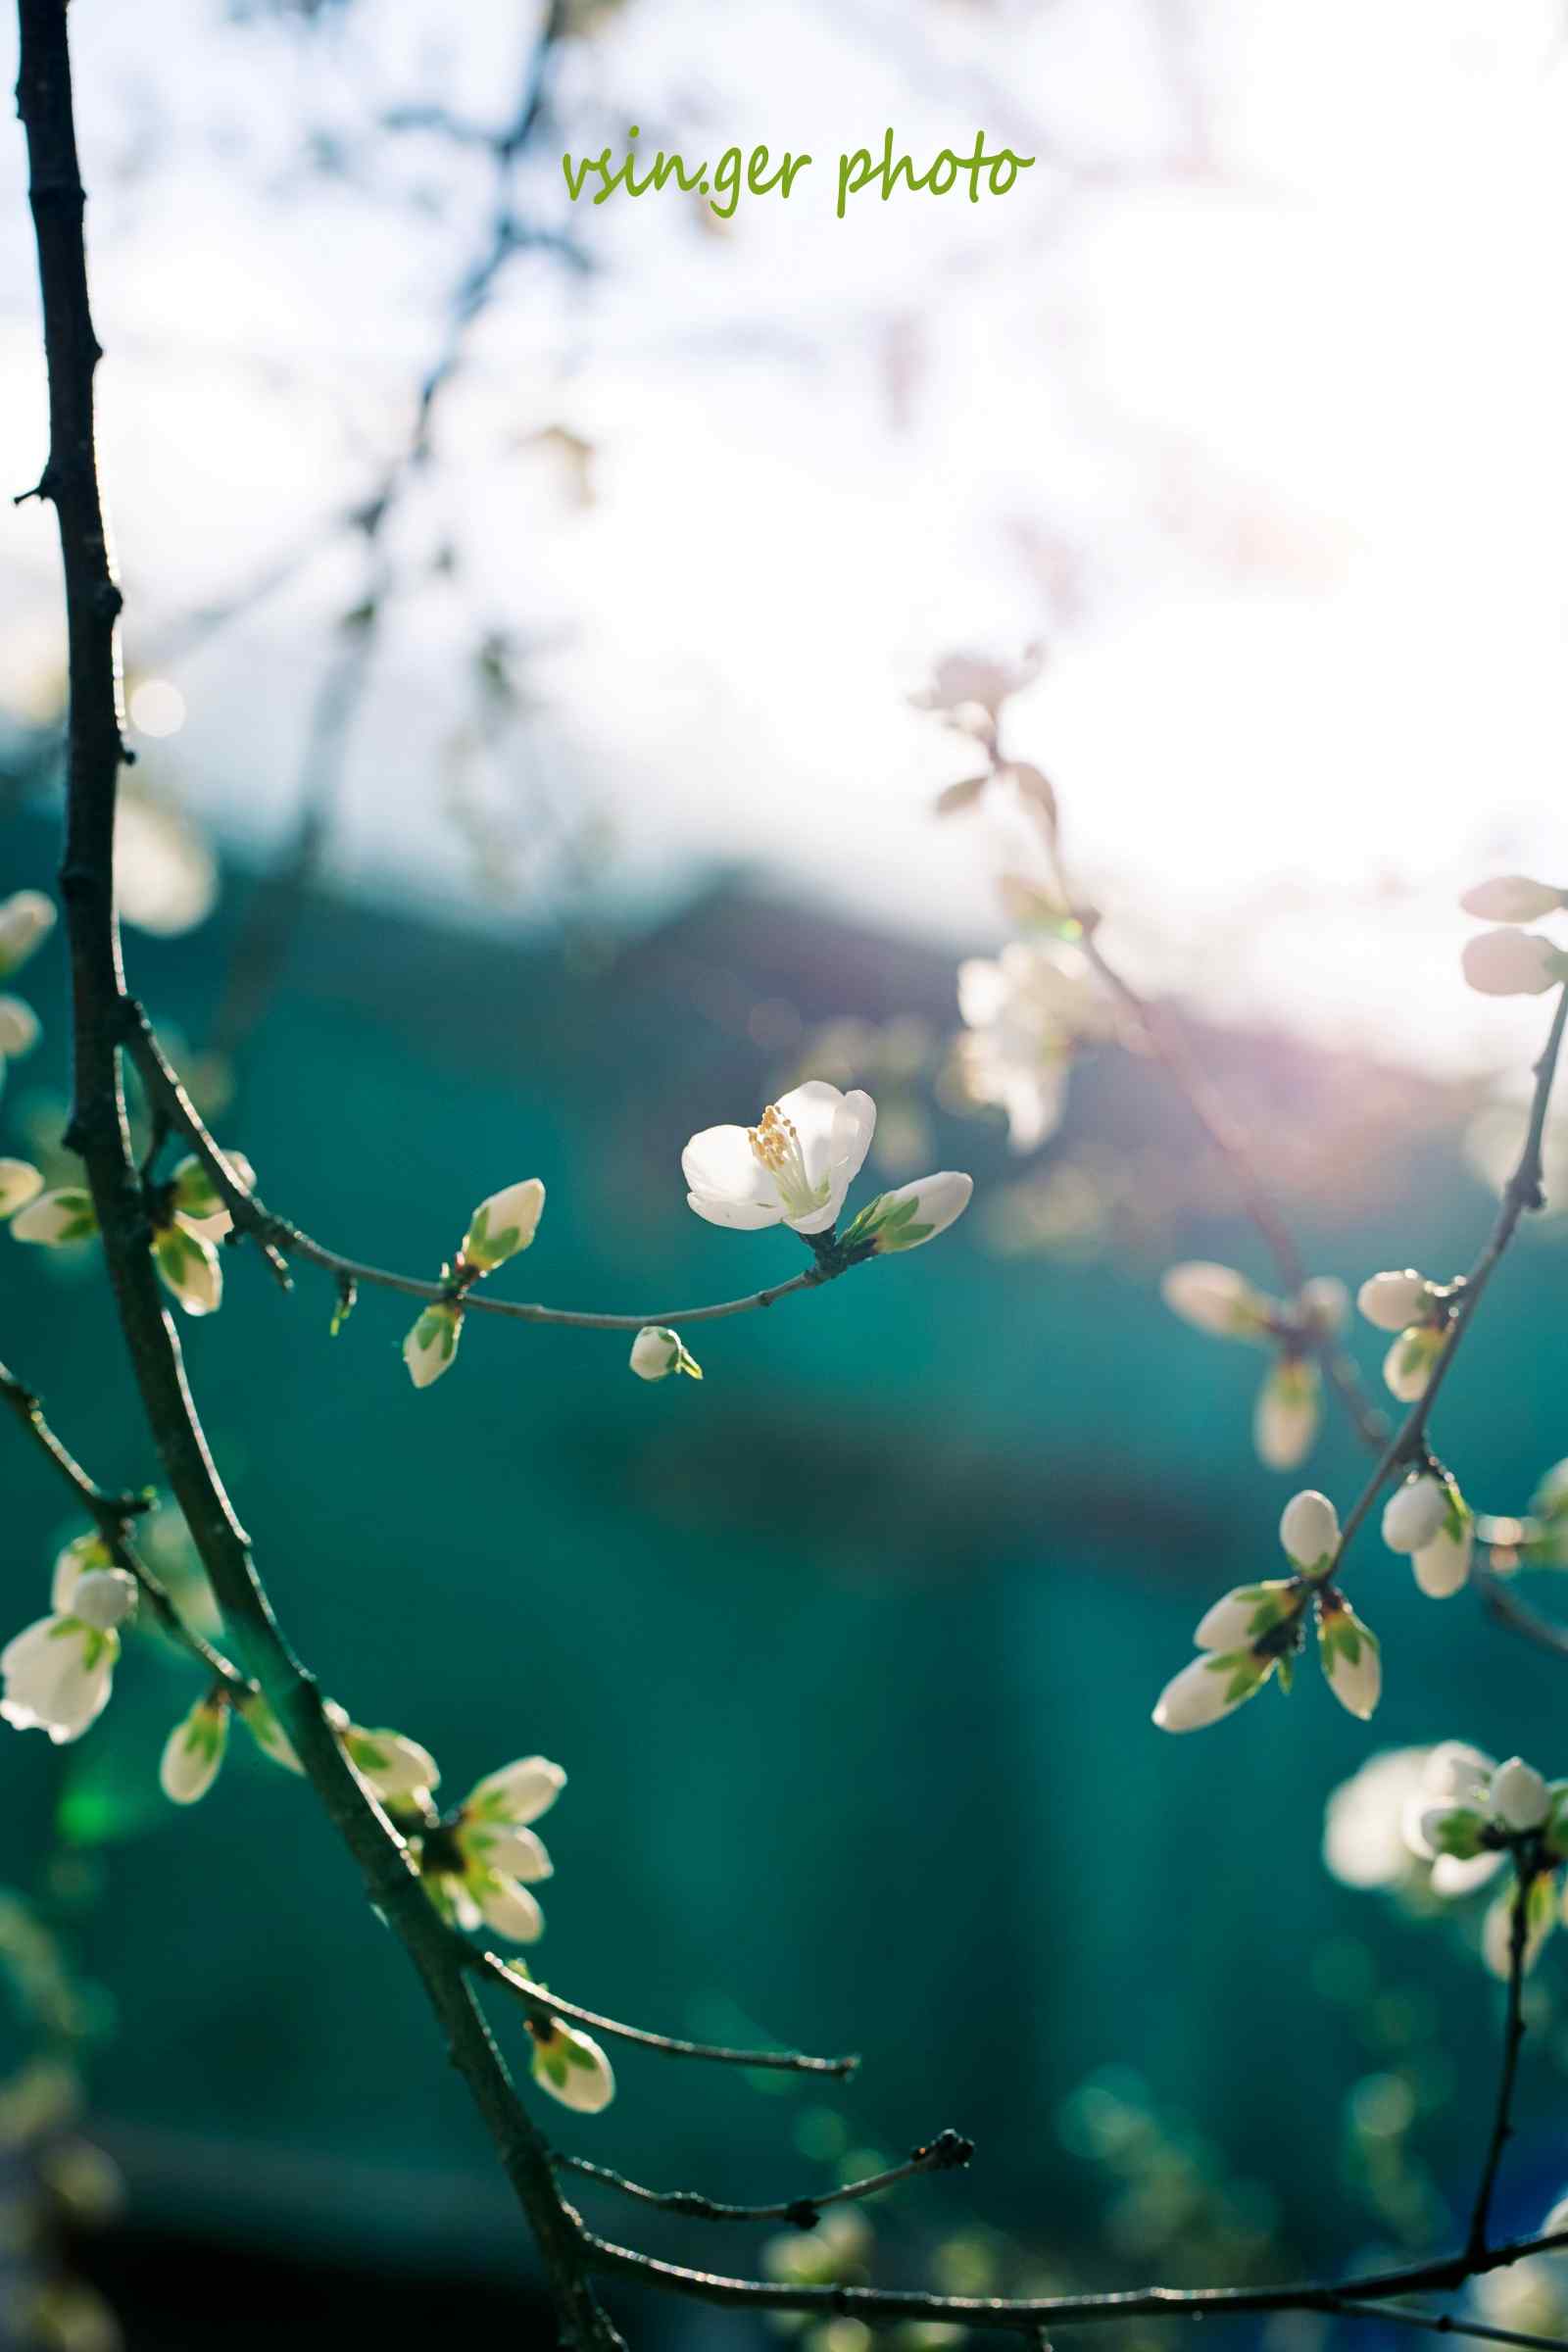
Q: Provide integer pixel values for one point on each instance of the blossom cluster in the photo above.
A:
(1219, 1300)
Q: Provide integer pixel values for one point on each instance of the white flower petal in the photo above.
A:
(1285, 1418)
(1415, 1513)
(1512, 964)
(719, 1163)
(744, 1216)
(1214, 1299)
(193, 1752)
(519, 1792)
(20, 1183)
(572, 2068)
(1210, 1687)
(507, 1907)
(1309, 1529)
(58, 1674)
(1518, 1795)
(1391, 1301)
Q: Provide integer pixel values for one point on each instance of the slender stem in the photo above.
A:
(276, 1234)
(1509, 1610)
(1443, 2324)
(948, 2152)
(539, 2001)
(1512, 2041)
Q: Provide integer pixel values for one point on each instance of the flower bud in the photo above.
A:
(1351, 1657)
(1511, 899)
(197, 1201)
(1285, 1418)
(1310, 1529)
(1240, 1618)
(20, 1183)
(194, 1750)
(396, 1767)
(56, 1218)
(1455, 1829)
(104, 1597)
(1513, 964)
(1415, 1512)
(571, 2066)
(502, 1225)
(1518, 1795)
(26, 918)
(189, 1267)
(72, 1564)
(1391, 1301)
(432, 1343)
(1496, 1929)
(1215, 1298)
(57, 1674)
(1210, 1687)
(1407, 1366)
(913, 1213)
(19, 1028)
(1443, 1566)
(656, 1351)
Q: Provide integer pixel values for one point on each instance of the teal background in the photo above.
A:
(849, 1651)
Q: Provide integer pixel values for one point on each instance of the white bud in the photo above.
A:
(57, 1674)
(1443, 1566)
(20, 1183)
(198, 1202)
(1309, 1529)
(1518, 1795)
(1511, 899)
(1391, 1301)
(189, 1266)
(572, 2067)
(432, 1343)
(656, 1351)
(56, 1218)
(71, 1563)
(519, 1792)
(503, 1224)
(1407, 1366)
(1210, 1687)
(1415, 1512)
(1285, 1416)
(19, 1028)
(395, 1766)
(913, 1213)
(1351, 1657)
(1513, 964)
(1238, 1618)
(1215, 1298)
(104, 1597)
(193, 1752)
(26, 918)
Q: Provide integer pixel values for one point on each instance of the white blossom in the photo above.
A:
(478, 1869)
(1364, 1842)
(20, 1183)
(1393, 1300)
(58, 1674)
(194, 1750)
(26, 918)
(1415, 1513)
(1407, 1367)
(976, 680)
(72, 1564)
(56, 1218)
(1210, 1687)
(189, 1266)
(1309, 1531)
(1024, 1015)
(793, 1167)
(1351, 1657)
(19, 1028)
(502, 1225)
(104, 1598)
(656, 1351)
(1324, 1303)
(1216, 1300)
(911, 1214)
(432, 1343)
(1289, 1408)
(1517, 1795)
(1511, 899)
(1513, 964)
(571, 2066)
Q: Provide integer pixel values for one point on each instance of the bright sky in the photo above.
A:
(1249, 399)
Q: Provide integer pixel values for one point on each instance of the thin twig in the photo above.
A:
(541, 2002)
(1509, 1610)
(948, 2152)
(1442, 2323)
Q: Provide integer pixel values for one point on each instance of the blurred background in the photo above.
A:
(524, 605)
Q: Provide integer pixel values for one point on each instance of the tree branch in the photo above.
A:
(276, 1234)
(1513, 2042)
(539, 2001)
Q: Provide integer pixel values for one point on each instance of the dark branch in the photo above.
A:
(948, 2152)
